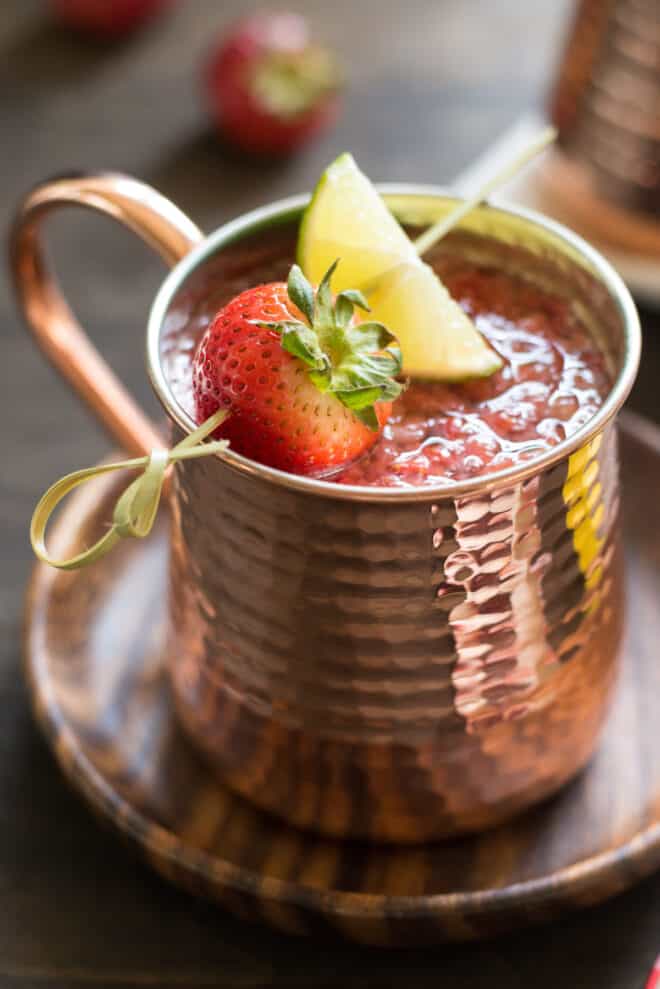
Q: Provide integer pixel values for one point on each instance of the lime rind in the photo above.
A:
(347, 219)
(417, 308)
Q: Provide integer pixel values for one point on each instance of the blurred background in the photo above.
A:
(428, 86)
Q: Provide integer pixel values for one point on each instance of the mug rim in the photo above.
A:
(280, 209)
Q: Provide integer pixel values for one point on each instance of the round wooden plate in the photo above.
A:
(544, 187)
(100, 691)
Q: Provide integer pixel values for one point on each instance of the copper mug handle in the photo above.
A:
(150, 215)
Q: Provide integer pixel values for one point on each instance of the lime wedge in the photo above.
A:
(347, 219)
(438, 339)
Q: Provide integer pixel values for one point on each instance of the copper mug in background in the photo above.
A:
(605, 102)
(376, 663)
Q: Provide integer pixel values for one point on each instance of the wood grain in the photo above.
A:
(97, 673)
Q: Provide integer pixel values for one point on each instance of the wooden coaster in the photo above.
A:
(100, 691)
(556, 187)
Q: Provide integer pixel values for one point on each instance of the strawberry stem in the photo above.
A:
(288, 84)
(136, 508)
(358, 362)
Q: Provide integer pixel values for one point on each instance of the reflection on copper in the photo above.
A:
(386, 668)
(158, 222)
(500, 627)
(401, 670)
(606, 104)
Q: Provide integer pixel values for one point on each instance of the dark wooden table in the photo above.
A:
(432, 82)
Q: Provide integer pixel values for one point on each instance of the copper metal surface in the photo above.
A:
(570, 190)
(400, 666)
(158, 222)
(606, 104)
(404, 669)
(98, 684)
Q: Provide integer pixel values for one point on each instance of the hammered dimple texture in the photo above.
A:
(396, 670)
(606, 101)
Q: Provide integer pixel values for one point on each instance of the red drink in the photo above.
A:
(553, 380)
(396, 664)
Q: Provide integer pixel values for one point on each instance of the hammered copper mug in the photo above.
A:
(376, 663)
(605, 102)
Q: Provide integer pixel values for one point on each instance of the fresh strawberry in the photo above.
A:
(108, 17)
(654, 977)
(308, 387)
(269, 87)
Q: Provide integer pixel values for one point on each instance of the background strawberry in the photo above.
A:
(108, 17)
(308, 387)
(269, 87)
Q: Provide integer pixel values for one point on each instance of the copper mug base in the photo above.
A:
(376, 663)
(426, 786)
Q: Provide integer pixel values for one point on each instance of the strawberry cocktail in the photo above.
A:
(410, 627)
(396, 578)
(535, 377)
(471, 369)
(552, 380)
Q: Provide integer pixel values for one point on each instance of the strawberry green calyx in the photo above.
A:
(289, 84)
(357, 362)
